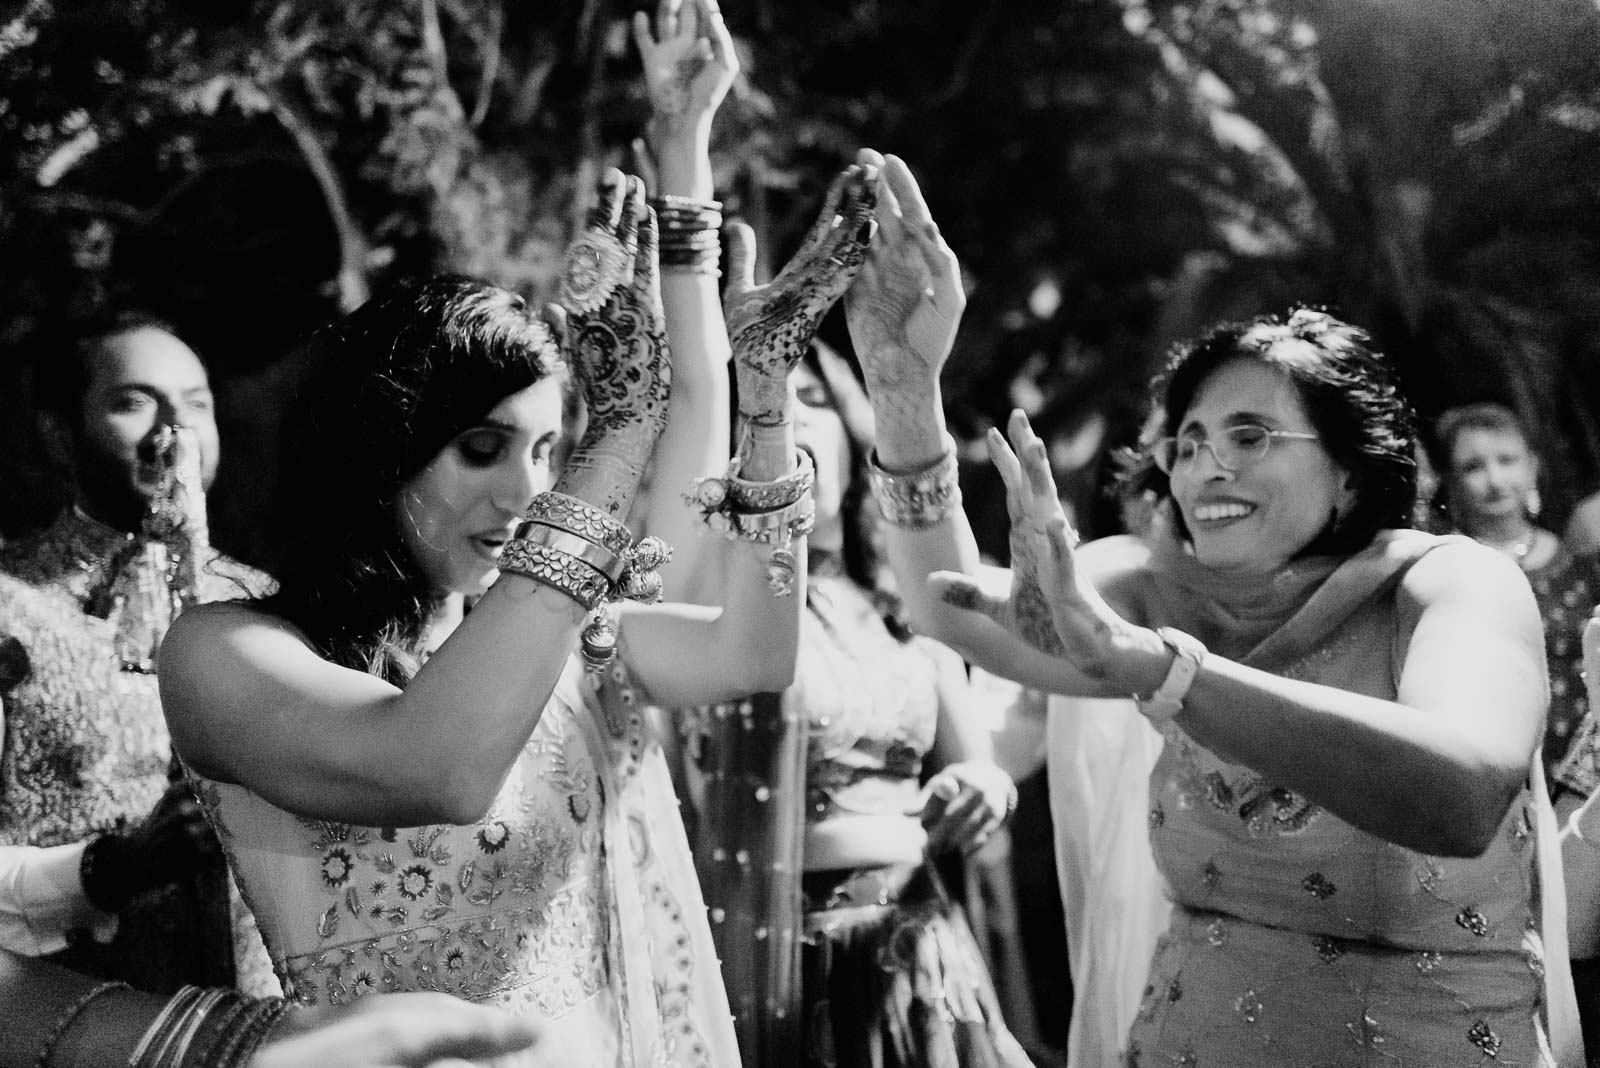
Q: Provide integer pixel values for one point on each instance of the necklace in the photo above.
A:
(1517, 549)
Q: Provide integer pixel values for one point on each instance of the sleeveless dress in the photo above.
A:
(572, 902)
(1297, 939)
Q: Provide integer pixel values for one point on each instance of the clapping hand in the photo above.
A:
(1050, 605)
(771, 326)
(904, 308)
(616, 341)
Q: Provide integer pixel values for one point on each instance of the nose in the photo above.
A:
(1218, 469)
(517, 482)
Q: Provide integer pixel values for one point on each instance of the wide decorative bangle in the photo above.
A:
(559, 570)
(1167, 701)
(581, 518)
(730, 492)
(600, 557)
(917, 500)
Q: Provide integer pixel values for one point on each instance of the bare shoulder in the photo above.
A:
(1460, 571)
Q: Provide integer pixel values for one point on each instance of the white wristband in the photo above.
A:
(1167, 701)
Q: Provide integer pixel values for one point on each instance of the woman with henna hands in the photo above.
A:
(413, 800)
(1347, 813)
(812, 831)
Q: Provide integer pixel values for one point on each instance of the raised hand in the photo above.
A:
(1050, 605)
(616, 343)
(771, 326)
(904, 308)
(689, 60)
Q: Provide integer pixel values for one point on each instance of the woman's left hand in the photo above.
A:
(964, 803)
(1050, 605)
(771, 326)
(689, 60)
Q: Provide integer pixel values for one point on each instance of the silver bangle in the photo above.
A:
(917, 500)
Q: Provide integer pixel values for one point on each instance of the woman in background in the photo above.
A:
(1491, 493)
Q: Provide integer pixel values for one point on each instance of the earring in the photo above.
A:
(1531, 503)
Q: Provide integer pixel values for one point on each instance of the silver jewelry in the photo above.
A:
(917, 500)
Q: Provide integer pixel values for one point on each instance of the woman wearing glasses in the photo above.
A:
(1346, 812)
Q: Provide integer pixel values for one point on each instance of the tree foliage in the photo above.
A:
(1114, 173)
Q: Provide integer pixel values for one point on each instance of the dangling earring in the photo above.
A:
(1531, 503)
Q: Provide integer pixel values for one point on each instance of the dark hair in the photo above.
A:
(1350, 395)
(387, 388)
(862, 552)
(61, 356)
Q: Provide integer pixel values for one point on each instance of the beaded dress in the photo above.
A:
(1297, 939)
(572, 902)
(86, 750)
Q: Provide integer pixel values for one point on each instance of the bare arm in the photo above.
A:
(689, 63)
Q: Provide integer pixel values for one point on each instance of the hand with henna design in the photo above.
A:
(689, 61)
(619, 353)
(904, 308)
(1050, 606)
(771, 326)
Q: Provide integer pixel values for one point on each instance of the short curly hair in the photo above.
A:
(1351, 396)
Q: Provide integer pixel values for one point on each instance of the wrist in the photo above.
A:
(1183, 655)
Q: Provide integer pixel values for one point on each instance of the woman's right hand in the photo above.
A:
(616, 343)
(904, 308)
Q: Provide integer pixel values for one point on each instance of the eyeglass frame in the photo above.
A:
(1159, 446)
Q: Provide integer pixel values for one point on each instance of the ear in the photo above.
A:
(58, 438)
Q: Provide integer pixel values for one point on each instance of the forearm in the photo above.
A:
(1414, 777)
(697, 437)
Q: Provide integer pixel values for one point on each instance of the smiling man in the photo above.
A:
(105, 860)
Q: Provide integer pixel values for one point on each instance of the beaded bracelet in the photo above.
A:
(58, 1029)
(917, 500)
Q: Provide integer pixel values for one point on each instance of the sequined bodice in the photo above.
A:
(871, 705)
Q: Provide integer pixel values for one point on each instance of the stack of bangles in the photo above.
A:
(197, 1028)
(690, 229)
(765, 513)
(578, 549)
(920, 499)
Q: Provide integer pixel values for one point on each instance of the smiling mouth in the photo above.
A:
(1211, 513)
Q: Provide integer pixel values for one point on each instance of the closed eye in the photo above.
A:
(480, 448)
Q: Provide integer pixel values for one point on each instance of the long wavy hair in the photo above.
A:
(387, 388)
(1351, 396)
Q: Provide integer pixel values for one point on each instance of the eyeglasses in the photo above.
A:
(1243, 444)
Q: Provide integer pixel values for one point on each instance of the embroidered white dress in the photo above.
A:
(573, 902)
